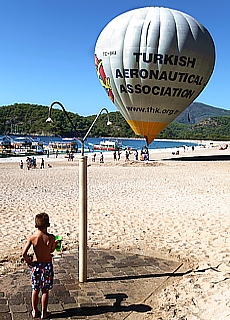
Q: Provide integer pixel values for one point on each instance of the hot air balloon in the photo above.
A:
(153, 62)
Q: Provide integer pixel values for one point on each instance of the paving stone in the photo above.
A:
(17, 296)
(116, 286)
(55, 307)
(71, 286)
(58, 287)
(53, 299)
(22, 316)
(18, 308)
(62, 293)
(3, 301)
(67, 299)
(4, 308)
(5, 316)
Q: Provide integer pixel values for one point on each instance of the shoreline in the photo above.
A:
(206, 144)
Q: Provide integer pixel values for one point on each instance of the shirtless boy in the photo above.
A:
(40, 264)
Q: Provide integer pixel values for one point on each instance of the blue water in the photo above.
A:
(127, 143)
(139, 143)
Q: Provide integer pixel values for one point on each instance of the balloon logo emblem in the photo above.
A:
(153, 62)
(105, 81)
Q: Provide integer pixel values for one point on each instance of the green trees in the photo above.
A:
(31, 119)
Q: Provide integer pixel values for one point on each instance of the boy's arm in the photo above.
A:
(54, 244)
(27, 259)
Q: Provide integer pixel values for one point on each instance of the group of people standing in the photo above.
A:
(70, 155)
(31, 163)
(117, 155)
(101, 159)
(144, 155)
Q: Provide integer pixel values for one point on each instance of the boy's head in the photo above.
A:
(42, 220)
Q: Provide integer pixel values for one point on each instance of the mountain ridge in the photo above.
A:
(198, 112)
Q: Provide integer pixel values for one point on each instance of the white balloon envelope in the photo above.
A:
(153, 62)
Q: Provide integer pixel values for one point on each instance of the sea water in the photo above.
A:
(140, 143)
(126, 143)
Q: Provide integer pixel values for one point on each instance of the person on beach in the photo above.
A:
(21, 164)
(42, 164)
(115, 156)
(33, 163)
(94, 157)
(40, 263)
(101, 158)
(71, 156)
(118, 155)
(28, 163)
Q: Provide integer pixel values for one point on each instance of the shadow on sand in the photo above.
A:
(141, 276)
(119, 297)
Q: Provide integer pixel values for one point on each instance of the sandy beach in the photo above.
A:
(163, 208)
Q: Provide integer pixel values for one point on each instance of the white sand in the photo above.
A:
(170, 209)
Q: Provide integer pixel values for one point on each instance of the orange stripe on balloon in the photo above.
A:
(147, 129)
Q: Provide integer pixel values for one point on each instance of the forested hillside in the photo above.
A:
(206, 122)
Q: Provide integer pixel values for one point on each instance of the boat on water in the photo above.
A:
(20, 146)
(65, 146)
(5, 142)
(108, 145)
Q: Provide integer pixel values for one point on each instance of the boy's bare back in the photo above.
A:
(43, 242)
(43, 245)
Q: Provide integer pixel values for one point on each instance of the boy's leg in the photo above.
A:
(45, 298)
(35, 303)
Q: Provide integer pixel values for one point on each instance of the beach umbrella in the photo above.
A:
(153, 62)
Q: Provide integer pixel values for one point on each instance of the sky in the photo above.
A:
(47, 49)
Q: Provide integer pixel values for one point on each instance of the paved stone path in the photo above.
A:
(119, 286)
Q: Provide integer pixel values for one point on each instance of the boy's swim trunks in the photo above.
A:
(42, 275)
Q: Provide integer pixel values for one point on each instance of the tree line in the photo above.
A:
(30, 119)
